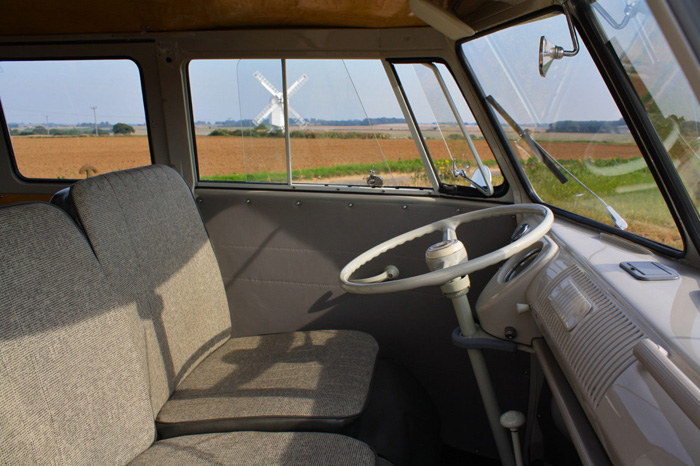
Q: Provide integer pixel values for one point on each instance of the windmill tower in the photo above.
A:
(275, 108)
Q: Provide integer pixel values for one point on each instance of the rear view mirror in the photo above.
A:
(550, 52)
(482, 177)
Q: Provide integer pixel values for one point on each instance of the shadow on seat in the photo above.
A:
(73, 381)
(146, 232)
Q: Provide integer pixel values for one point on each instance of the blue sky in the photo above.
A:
(506, 63)
(65, 91)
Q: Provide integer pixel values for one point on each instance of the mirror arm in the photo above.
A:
(574, 37)
(558, 52)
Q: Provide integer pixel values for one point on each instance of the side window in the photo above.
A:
(565, 129)
(69, 119)
(237, 112)
(346, 125)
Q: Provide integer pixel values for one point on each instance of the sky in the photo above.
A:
(506, 63)
(64, 92)
(228, 89)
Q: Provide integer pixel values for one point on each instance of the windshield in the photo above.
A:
(572, 144)
(656, 76)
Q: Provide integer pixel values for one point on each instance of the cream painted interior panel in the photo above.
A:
(665, 437)
(592, 314)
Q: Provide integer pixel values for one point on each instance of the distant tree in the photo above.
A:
(64, 132)
(122, 128)
(40, 130)
(275, 133)
(219, 132)
(588, 126)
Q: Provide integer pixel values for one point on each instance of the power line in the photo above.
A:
(94, 111)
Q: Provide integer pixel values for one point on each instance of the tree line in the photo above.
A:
(119, 128)
(262, 131)
(315, 122)
(590, 126)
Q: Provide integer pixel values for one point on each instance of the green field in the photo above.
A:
(634, 196)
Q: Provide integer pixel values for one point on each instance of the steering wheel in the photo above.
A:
(448, 227)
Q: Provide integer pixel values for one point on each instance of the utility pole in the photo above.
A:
(94, 111)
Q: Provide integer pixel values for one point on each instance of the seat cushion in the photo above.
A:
(259, 449)
(73, 389)
(304, 380)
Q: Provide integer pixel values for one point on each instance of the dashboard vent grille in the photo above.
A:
(599, 346)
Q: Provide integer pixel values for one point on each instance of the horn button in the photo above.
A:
(445, 254)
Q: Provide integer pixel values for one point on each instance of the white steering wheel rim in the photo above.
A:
(442, 276)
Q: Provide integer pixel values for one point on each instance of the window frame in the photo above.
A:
(619, 89)
(73, 57)
(460, 191)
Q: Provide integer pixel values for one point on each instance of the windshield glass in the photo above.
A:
(569, 136)
(657, 78)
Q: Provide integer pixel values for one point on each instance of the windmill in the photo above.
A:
(275, 109)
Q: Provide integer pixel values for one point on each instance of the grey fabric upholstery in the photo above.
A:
(72, 386)
(146, 232)
(148, 236)
(316, 375)
(259, 449)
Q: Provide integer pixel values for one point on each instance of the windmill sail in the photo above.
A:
(275, 108)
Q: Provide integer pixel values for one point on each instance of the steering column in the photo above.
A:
(450, 267)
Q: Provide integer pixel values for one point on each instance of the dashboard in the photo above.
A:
(628, 349)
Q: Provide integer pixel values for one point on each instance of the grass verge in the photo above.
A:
(400, 166)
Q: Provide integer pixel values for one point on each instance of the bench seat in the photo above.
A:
(146, 231)
(74, 386)
(258, 449)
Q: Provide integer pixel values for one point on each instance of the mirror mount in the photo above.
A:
(631, 10)
(550, 52)
(480, 179)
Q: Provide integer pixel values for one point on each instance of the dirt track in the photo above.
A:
(52, 157)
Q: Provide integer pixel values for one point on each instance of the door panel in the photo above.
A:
(280, 254)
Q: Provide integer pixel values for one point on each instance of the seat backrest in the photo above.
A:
(146, 231)
(72, 381)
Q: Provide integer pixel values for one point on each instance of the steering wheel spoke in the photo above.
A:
(449, 233)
